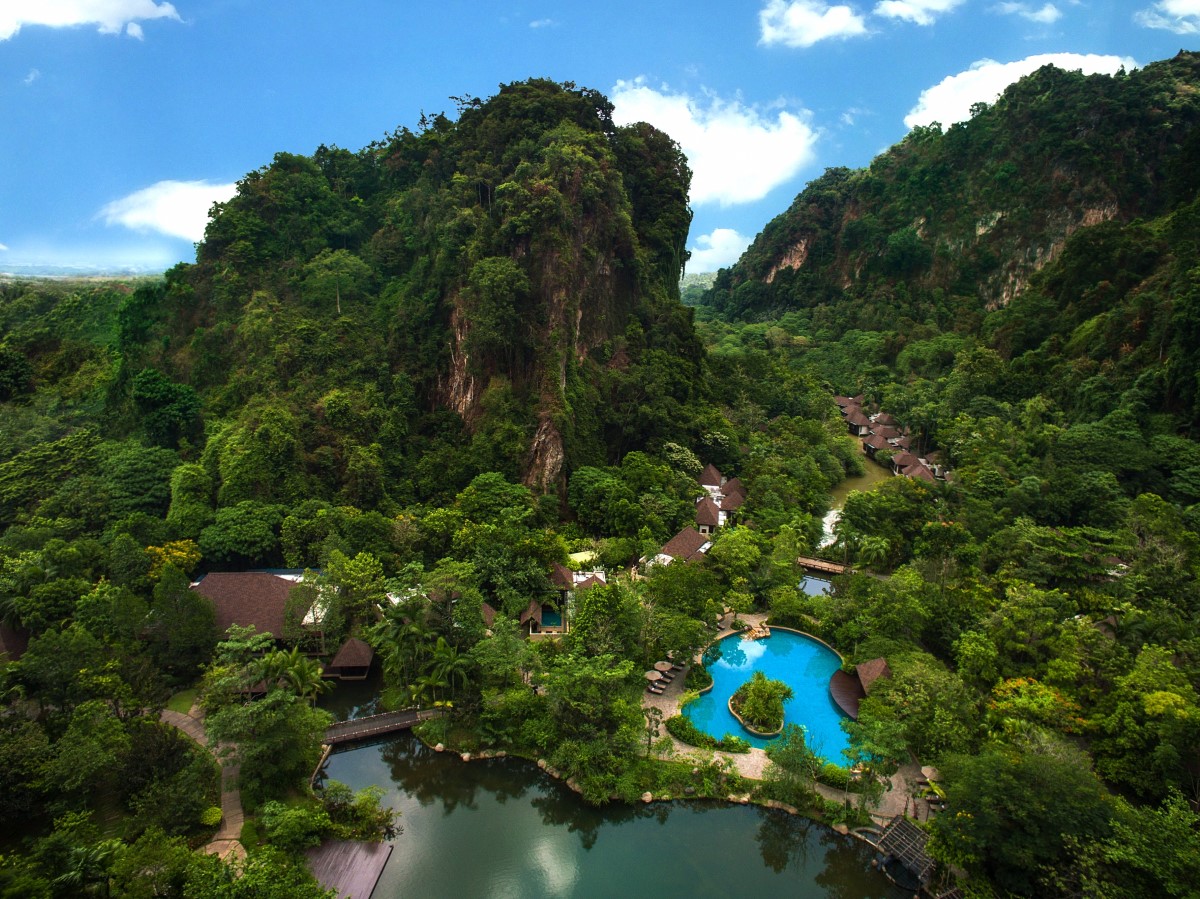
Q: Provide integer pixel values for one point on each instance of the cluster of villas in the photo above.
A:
(719, 505)
(261, 599)
(884, 439)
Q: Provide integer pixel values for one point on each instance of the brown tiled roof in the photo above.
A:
(533, 611)
(710, 477)
(869, 672)
(560, 576)
(13, 642)
(844, 401)
(588, 583)
(905, 459)
(731, 502)
(919, 471)
(684, 545)
(707, 512)
(886, 431)
(489, 615)
(734, 485)
(857, 418)
(884, 418)
(247, 598)
(876, 442)
(903, 442)
(355, 653)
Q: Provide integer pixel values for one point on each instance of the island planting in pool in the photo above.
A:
(801, 662)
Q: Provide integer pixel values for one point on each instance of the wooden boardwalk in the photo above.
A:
(376, 725)
(350, 869)
(820, 565)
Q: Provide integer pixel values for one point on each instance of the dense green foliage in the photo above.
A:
(1016, 291)
(759, 702)
(428, 370)
(681, 728)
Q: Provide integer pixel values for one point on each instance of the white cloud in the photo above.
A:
(922, 12)
(174, 208)
(738, 153)
(3, 248)
(1179, 16)
(850, 116)
(720, 249)
(542, 23)
(802, 23)
(950, 100)
(110, 16)
(33, 76)
(1046, 15)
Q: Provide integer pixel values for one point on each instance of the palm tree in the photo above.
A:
(294, 671)
(303, 675)
(873, 550)
(88, 865)
(448, 665)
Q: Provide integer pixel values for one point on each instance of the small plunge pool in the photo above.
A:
(801, 662)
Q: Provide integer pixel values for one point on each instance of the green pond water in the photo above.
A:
(502, 828)
(874, 475)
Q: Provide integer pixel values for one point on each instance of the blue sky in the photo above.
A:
(123, 120)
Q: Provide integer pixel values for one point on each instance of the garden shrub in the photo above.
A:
(681, 728)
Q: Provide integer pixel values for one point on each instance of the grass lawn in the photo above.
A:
(182, 701)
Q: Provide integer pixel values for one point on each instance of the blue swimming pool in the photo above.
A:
(801, 662)
(812, 585)
(550, 618)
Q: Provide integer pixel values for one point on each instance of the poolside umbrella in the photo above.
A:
(930, 773)
(662, 666)
(653, 676)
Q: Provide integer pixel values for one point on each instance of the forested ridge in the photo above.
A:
(427, 370)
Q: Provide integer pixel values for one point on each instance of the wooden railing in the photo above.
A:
(375, 725)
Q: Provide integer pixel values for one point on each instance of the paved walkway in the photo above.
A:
(226, 842)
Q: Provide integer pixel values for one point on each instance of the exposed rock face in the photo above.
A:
(793, 258)
(981, 207)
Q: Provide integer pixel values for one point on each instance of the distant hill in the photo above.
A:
(692, 287)
(1060, 227)
(976, 209)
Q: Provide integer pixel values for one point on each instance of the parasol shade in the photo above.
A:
(653, 676)
(662, 666)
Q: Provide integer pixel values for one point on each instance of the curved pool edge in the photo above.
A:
(761, 734)
(791, 630)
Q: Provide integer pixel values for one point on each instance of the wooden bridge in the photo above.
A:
(376, 725)
(821, 566)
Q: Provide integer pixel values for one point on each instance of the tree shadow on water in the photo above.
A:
(560, 807)
(431, 777)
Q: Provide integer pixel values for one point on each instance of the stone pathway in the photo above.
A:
(226, 842)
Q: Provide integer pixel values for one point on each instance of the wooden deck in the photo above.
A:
(377, 725)
(905, 841)
(821, 566)
(847, 692)
(351, 869)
